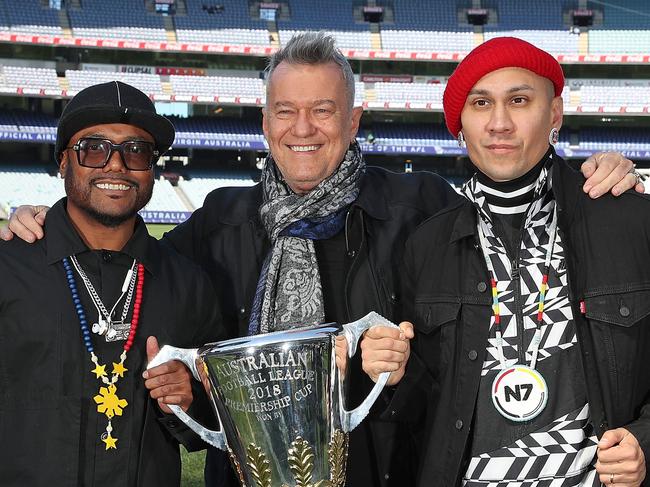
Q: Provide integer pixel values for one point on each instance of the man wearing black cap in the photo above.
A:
(77, 307)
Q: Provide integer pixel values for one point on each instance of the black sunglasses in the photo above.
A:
(137, 155)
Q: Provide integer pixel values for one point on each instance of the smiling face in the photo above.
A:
(506, 121)
(110, 195)
(307, 122)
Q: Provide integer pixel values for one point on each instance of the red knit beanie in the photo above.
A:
(497, 53)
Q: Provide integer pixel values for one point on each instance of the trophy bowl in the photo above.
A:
(280, 403)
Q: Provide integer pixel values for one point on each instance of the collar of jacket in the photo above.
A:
(239, 210)
(567, 186)
(63, 240)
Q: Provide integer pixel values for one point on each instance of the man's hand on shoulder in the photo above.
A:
(609, 171)
(26, 223)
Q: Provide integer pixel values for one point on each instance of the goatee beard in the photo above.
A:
(109, 221)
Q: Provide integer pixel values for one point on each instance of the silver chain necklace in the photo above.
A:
(113, 330)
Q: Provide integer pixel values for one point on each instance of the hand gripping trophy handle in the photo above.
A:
(188, 356)
(353, 332)
(349, 419)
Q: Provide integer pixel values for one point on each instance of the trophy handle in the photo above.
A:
(353, 332)
(188, 356)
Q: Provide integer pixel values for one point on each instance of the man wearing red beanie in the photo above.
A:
(530, 301)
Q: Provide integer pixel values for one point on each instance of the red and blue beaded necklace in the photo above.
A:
(108, 402)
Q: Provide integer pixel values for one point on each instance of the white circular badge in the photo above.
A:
(519, 393)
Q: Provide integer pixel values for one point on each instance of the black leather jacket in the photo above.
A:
(607, 249)
(226, 237)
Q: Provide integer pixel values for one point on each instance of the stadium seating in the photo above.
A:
(515, 14)
(128, 20)
(553, 41)
(629, 96)
(409, 92)
(421, 27)
(409, 134)
(624, 15)
(164, 198)
(603, 41)
(17, 76)
(148, 83)
(28, 185)
(344, 40)
(232, 25)
(417, 15)
(29, 17)
(218, 128)
(217, 86)
(319, 15)
(616, 138)
(198, 187)
(428, 41)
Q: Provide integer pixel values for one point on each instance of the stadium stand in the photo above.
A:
(338, 22)
(41, 78)
(31, 17)
(529, 16)
(316, 15)
(23, 120)
(626, 41)
(129, 20)
(217, 86)
(198, 187)
(411, 27)
(427, 41)
(414, 15)
(406, 92)
(537, 22)
(627, 96)
(231, 25)
(212, 128)
(409, 134)
(148, 83)
(553, 41)
(32, 185)
(614, 138)
(419, 28)
(164, 198)
(345, 40)
(28, 184)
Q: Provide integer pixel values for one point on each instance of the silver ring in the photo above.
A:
(637, 175)
(611, 479)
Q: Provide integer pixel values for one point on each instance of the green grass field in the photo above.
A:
(157, 229)
(192, 468)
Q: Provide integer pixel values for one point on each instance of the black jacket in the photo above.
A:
(49, 424)
(227, 238)
(607, 249)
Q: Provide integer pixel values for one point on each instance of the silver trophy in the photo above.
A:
(280, 402)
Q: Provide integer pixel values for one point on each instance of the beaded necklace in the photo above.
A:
(519, 393)
(108, 402)
(543, 287)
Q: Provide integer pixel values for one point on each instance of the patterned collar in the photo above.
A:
(473, 191)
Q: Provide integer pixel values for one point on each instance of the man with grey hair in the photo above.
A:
(321, 237)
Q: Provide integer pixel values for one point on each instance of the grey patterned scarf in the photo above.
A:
(289, 291)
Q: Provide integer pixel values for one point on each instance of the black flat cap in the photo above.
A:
(112, 102)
